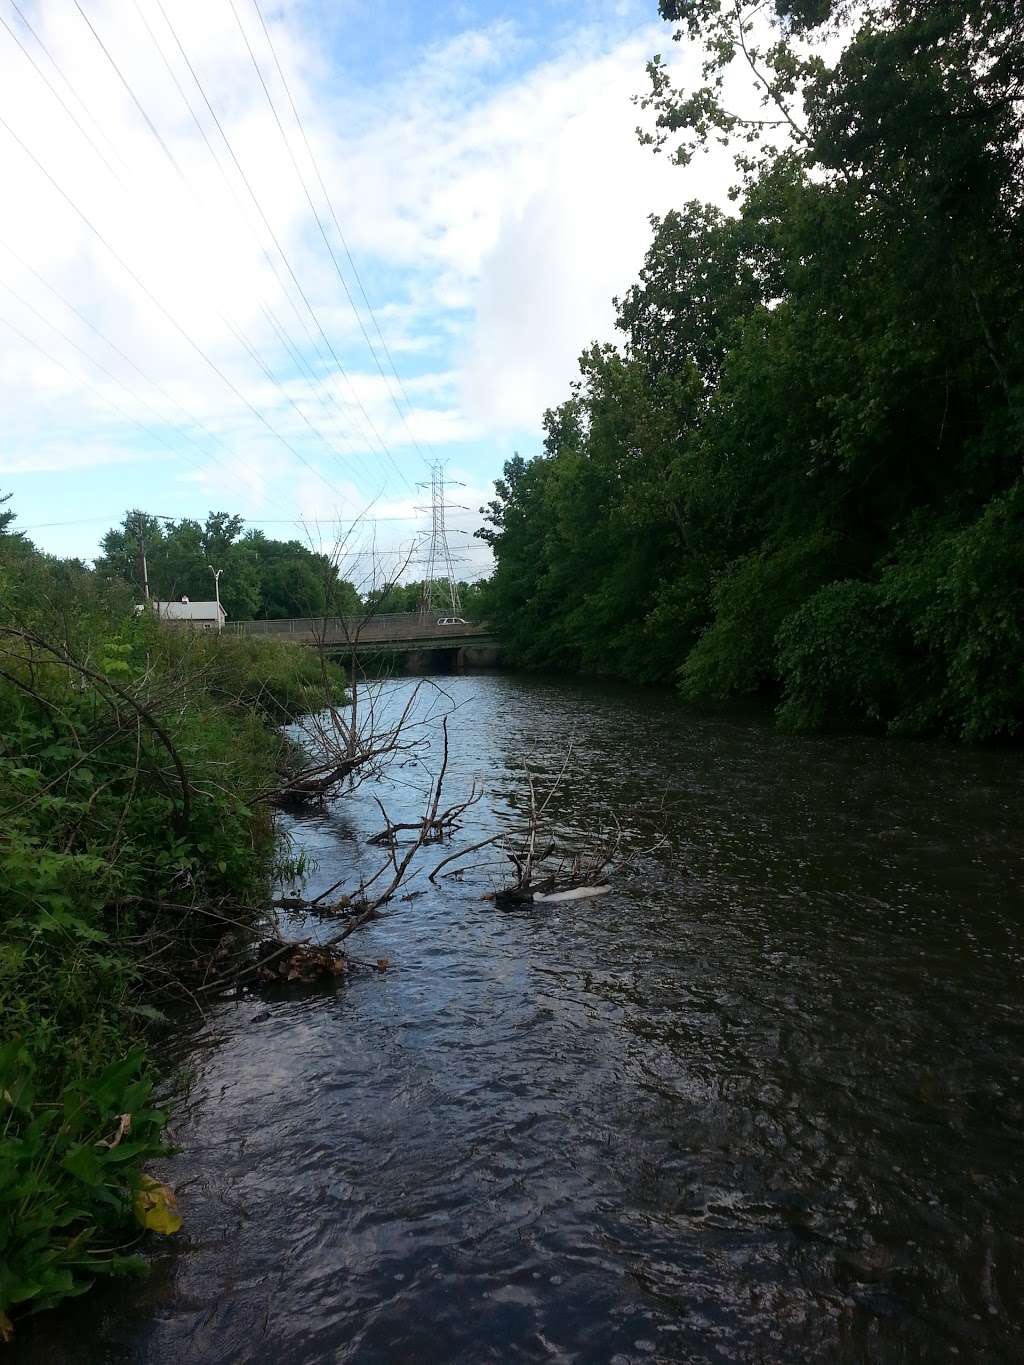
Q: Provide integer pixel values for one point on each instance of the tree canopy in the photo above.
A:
(262, 578)
(800, 468)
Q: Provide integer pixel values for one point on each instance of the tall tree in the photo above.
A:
(812, 433)
(7, 514)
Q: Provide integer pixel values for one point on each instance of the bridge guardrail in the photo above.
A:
(391, 626)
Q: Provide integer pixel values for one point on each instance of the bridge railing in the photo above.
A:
(390, 626)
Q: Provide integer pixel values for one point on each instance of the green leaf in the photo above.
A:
(84, 1163)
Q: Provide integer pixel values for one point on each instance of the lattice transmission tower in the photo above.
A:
(440, 590)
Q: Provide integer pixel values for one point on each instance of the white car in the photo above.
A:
(452, 621)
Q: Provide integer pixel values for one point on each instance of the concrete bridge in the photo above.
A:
(424, 642)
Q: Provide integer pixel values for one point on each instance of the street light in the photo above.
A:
(216, 588)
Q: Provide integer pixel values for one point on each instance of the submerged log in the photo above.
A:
(548, 891)
(572, 893)
(307, 789)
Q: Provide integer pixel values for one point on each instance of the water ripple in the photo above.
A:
(762, 1103)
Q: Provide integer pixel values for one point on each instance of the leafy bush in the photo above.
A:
(837, 658)
(70, 1170)
(958, 592)
(132, 762)
(736, 654)
(275, 678)
(935, 645)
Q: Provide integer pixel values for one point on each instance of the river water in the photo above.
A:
(763, 1102)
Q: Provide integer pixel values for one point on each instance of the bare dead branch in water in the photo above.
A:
(543, 867)
(353, 739)
(435, 826)
(359, 905)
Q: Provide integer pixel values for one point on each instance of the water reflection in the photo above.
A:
(762, 1103)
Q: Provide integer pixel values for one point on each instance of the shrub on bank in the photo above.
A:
(132, 764)
(277, 679)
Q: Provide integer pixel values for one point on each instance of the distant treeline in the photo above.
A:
(262, 578)
(407, 597)
(800, 469)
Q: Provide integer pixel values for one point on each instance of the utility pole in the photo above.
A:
(140, 528)
(216, 588)
(439, 574)
(140, 536)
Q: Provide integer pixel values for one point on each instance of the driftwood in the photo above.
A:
(548, 891)
(313, 785)
(545, 871)
(308, 959)
(437, 825)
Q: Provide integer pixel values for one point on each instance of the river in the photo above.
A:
(761, 1103)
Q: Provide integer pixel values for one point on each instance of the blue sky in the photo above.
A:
(174, 333)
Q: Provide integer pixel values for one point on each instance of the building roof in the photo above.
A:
(189, 611)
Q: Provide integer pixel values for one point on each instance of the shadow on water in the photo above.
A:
(762, 1103)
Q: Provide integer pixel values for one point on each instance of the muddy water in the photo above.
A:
(763, 1102)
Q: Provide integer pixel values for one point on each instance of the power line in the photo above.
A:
(291, 154)
(71, 89)
(266, 222)
(341, 276)
(339, 228)
(278, 328)
(280, 249)
(297, 520)
(185, 181)
(190, 417)
(326, 521)
(295, 353)
(60, 99)
(79, 521)
(250, 190)
(134, 98)
(93, 361)
(165, 312)
(113, 377)
(154, 300)
(47, 355)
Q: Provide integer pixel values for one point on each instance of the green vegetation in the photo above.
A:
(132, 762)
(263, 578)
(800, 472)
(399, 597)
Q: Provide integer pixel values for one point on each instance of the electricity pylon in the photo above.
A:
(439, 586)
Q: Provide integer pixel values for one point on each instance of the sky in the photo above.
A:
(280, 260)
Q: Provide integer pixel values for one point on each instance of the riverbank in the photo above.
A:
(134, 768)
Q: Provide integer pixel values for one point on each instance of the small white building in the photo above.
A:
(199, 615)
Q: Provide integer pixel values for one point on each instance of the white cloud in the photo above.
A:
(65, 457)
(493, 207)
(531, 201)
(571, 237)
